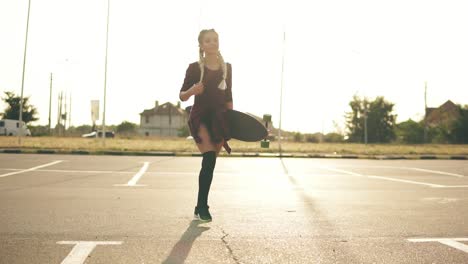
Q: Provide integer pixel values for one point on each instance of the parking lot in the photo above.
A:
(129, 209)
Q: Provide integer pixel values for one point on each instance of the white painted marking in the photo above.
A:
(394, 179)
(126, 185)
(240, 173)
(432, 185)
(406, 181)
(453, 186)
(440, 200)
(438, 172)
(31, 169)
(149, 172)
(137, 176)
(342, 171)
(82, 249)
(451, 242)
(84, 171)
(397, 168)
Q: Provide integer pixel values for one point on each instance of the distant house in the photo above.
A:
(163, 120)
(443, 115)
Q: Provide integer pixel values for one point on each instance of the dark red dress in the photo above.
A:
(209, 107)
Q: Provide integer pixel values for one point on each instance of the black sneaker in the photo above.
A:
(202, 214)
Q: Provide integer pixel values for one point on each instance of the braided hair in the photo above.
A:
(201, 60)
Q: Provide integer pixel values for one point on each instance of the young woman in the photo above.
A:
(210, 81)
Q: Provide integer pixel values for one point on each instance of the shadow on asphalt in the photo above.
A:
(182, 248)
(319, 219)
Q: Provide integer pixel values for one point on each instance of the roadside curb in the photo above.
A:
(236, 154)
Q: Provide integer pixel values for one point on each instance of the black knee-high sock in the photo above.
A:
(205, 177)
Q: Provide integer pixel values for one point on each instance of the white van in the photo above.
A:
(10, 127)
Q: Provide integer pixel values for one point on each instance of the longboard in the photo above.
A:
(242, 126)
(245, 127)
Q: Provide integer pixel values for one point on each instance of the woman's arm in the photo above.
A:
(196, 89)
(190, 86)
(185, 95)
(229, 104)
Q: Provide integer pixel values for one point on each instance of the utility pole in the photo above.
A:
(425, 112)
(69, 112)
(65, 115)
(60, 114)
(57, 127)
(281, 92)
(365, 125)
(60, 120)
(50, 103)
(105, 77)
(22, 79)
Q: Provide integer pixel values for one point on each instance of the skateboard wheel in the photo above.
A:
(267, 118)
(265, 143)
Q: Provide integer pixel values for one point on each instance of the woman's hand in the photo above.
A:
(197, 88)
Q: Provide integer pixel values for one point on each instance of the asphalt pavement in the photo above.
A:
(130, 209)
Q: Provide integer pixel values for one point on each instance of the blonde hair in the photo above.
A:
(201, 60)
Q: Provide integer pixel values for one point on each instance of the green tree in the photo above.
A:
(439, 134)
(13, 109)
(313, 138)
(126, 128)
(79, 130)
(380, 120)
(183, 131)
(297, 137)
(459, 133)
(334, 138)
(354, 120)
(410, 132)
(39, 131)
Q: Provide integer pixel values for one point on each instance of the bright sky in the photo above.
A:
(333, 50)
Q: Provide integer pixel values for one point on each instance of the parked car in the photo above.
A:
(10, 127)
(95, 134)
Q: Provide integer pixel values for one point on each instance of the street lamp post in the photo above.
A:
(281, 92)
(365, 125)
(50, 104)
(22, 80)
(105, 77)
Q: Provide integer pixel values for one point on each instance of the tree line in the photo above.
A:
(30, 114)
(382, 127)
(368, 121)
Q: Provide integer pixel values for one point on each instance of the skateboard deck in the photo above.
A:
(245, 127)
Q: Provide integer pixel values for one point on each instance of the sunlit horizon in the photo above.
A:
(333, 51)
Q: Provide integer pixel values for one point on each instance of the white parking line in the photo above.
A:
(453, 186)
(133, 181)
(82, 249)
(148, 172)
(451, 242)
(394, 179)
(31, 169)
(406, 181)
(84, 171)
(76, 171)
(396, 168)
(342, 171)
(137, 176)
(438, 172)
